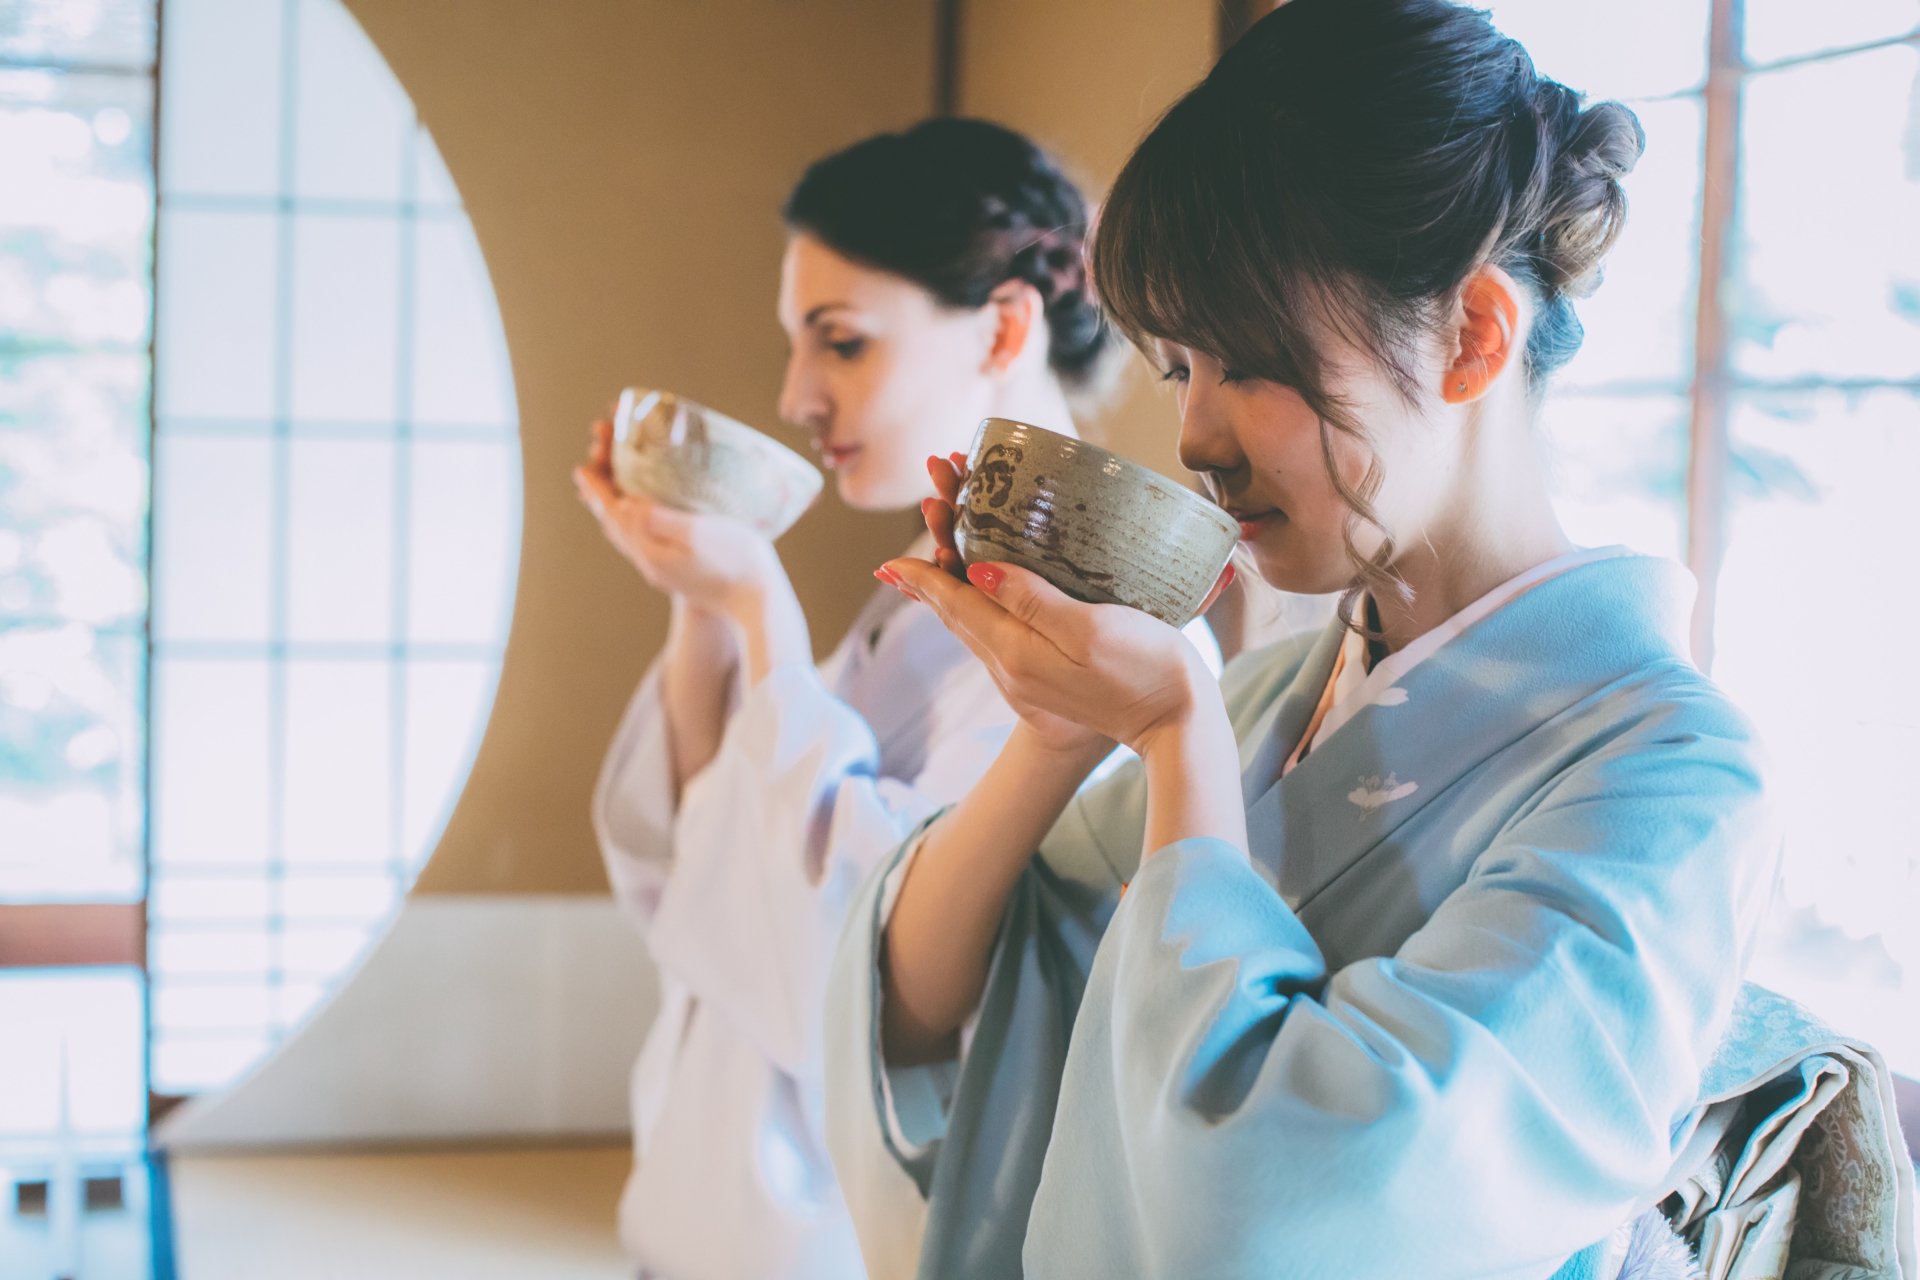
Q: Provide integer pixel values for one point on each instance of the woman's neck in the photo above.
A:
(1496, 522)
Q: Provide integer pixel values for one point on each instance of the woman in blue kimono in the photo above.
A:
(1432, 922)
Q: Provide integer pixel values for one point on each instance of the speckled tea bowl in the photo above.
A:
(690, 457)
(1098, 527)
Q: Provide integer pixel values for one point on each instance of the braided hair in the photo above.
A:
(960, 207)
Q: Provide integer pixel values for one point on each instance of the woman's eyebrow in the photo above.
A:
(814, 315)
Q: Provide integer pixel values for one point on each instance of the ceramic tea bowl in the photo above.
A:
(687, 456)
(1098, 527)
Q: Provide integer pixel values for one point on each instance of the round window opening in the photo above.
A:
(336, 519)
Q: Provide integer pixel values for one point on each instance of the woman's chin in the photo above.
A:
(861, 492)
(1284, 569)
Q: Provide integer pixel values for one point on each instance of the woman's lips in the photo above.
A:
(836, 456)
(1254, 523)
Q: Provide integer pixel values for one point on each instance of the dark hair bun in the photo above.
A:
(1583, 207)
(1346, 165)
(1571, 208)
(960, 207)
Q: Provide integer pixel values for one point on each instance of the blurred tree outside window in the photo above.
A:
(76, 235)
(1800, 531)
(307, 399)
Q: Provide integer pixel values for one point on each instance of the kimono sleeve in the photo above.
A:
(776, 835)
(633, 808)
(939, 1166)
(1486, 1102)
(743, 907)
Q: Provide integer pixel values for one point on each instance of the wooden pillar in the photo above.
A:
(1713, 361)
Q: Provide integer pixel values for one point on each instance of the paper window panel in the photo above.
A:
(216, 351)
(214, 760)
(353, 120)
(338, 773)
(1777, 29)
(457, 541)
(1829, 282)
(1631, 49)
(345, 322)
(214, 537)
(340, 558)
(459, 373)
(220, 98)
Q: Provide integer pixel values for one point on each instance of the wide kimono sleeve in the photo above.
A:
(743, 888)
(633, 807)
(938, 1164)
(1496, 1095)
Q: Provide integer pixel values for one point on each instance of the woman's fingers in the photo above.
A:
(600, 446)
(667, 523)
(921, 581)
(946, 477)
(1005, 614)
(1032, 600)
(973, 616)
(631, 521)
(596, 490)
(949, 477)
(939, 518)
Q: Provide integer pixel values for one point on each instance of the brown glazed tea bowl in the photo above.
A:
(687, 456)
(1098, 527)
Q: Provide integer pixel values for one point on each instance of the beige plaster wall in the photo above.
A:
(623, 162)
(1085, 79)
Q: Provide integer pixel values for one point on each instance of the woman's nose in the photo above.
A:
(1207, 442)
(803, 400)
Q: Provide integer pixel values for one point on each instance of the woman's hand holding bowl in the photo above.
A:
(713, 563)
(1076, 674)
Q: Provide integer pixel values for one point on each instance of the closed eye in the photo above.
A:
(850, 349)
(1178, 373)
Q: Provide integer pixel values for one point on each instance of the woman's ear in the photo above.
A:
(1019, 313)
(1486, 334)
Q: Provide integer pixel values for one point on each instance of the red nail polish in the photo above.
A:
(987, 577)
(887, 576)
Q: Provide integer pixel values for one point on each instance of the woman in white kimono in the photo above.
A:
(932, 278)
(1432, 923)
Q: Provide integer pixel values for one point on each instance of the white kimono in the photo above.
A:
(741, 893)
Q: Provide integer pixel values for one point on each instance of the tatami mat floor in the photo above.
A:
(406, 1215)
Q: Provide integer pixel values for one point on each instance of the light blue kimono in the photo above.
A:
(1451, 1021)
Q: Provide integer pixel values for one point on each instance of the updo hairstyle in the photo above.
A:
(1340, 173)
(960, 207)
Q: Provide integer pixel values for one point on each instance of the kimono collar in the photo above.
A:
(1354, 686)
(1482, 687)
